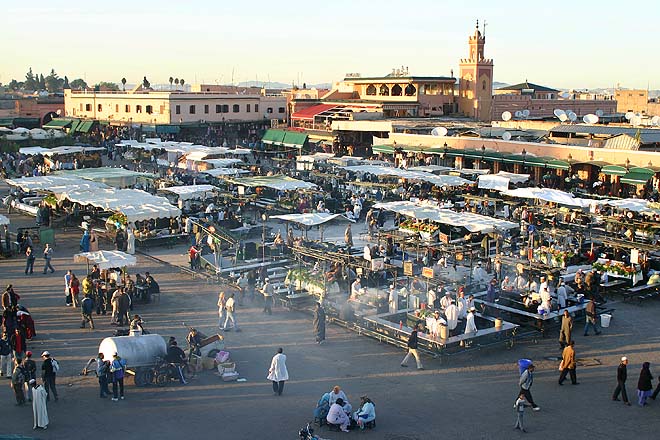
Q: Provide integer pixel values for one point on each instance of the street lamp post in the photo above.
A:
(264, 218)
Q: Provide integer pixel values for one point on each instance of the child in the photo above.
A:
(519, 406)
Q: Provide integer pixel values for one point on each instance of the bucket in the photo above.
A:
(605, 320)
(443, 332)
(498, 322)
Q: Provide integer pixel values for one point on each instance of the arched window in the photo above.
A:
(397, 90)
(236, 108)
(483, 85)
(410, 90)
(371, 90)
(384, 90)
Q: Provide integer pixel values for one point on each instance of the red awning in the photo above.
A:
(310, 112)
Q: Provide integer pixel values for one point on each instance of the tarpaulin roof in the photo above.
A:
(222, 163)
(279, 182)
(32, 151)
(311, 219)
(501, 180)
(136, 205)
(186, 192)
(106, 259)
(549, 195)
(215, 172)
(441, 180)
(310, 112)
(428, 211)
(54, 184)
(111, 176)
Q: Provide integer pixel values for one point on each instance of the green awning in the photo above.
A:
(494, 156)
(474, 154)
(58, 123)
(74, 125)
(294, 139)
(84, 126)
(640, 170)
(27, 122)
(558, 164)
(167, 129)
(635, 178)
(6, 122)
(149, 128)
(386, 149)
(514, 158)
(273, 137)
(614, 170)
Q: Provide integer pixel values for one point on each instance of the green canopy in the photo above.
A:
(387, 149)
(6, 122)
(58, 123)
(636, 178)
(84, 126)
(167, 129)
(294, 139)
(614, 170)
(273, 137)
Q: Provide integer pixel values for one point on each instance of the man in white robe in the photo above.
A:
(561, 294)
(462, 306)
(355, 288)
(39, 409)
(451, 313)
(431, 297)
(446, 300)
(470, 326)
(393, 299)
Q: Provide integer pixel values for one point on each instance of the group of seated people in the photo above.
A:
(333, 408)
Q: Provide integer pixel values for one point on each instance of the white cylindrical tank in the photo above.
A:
(138, 351)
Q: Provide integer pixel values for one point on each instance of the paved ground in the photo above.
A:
(468, 396)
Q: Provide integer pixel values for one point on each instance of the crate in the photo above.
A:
(226, 367)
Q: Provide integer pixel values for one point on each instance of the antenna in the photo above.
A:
(590, 119)
(506, 116)
(564, 95)
(636, 120)
(572, 116)
(525, 113)
(506, 136)
(558, 113)
(439, 131)
(655, 120)
(599, 113)
(518, 114)
(629, 115)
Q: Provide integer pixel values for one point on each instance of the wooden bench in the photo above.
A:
(642, 292)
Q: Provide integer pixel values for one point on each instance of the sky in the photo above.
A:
(562, 44)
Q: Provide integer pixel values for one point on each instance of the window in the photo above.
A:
(149, 109)
(384, 90)
(177, 110)
(269, 110)
(483, 85)
(281, 110)
(81, 106)
(88, 107)
(371, 90)
(206, 108)
(127, 108)
(225, 108)
(191, 109)
(410, 90)
(256, 108)
(116, 108)
(218, 108)
(99, 107)
(247, 108)
(138, 109)
(236, 108)
(397, 90)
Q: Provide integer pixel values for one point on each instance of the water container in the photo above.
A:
(523, 364)
(605, 320)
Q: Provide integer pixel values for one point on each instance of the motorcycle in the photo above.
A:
(307, 433)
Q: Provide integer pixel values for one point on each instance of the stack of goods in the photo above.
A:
(226, 368)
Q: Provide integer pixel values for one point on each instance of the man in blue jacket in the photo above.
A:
(86, 308)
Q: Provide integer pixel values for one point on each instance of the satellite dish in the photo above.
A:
(590, 118)
(563, 117)
(655, 120)
(572, 116)
(558, 112)
(629, 115)
(564, 95)
(506, 136)
(439, 131)
(599, 113)
(635, 121)
(525, 113)
(506, 116)
(518, 114)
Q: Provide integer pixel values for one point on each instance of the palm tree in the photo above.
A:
(123, 83)
(171, 81)
(176, 81)
(182, 82)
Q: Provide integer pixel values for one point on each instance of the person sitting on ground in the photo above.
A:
(507, 285)
(366, 413)
(176, 357)
(336, 394)
(135, 326)
(322, 408)
(337, 416)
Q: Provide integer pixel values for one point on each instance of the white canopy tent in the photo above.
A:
(54, 183)
(118, 177)
(442, 180)
(135, 204)
(549, 195)
(636, 205)
(222, 163)
(186, 192)
(217, 172)
(514, 177)
(428, 211)
(106, 259)
(491, 181)
(278, 182)
(311, 219)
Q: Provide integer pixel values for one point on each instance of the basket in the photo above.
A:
(226, 367)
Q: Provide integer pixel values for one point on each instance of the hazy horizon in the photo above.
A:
(563, 44)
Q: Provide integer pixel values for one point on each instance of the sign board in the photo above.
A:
(427, 272)
(444, 238)
(634, 256)
(241, 190)
(408, 268)
(377, 264)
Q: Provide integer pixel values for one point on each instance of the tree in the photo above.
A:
(106, 86)
(15, 85)
(145, 83)
(66, 83)
(42, 82)
(78, 84)
(182, 82)
(31, 82)
(171, 81)
(176, 81)
(53, 83)
(123, 83)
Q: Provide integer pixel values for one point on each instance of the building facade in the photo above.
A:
(475, 86)
(165, 107)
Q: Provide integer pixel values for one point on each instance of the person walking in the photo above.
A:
(75, 290)
(525, 382)
(49, 369)
(18, 381)
(412, 350)
(278, 373)
(567, 365)
(86, 309)
(29, 261)
(230, 308)
(644, 384)
(591, 318)
(39, 406)
(268, 290)
(565, 330)
(30, 368)
(48, 256)
(319, 323)
(222, 301)
(67, 287)
(519, 406)
(621, 376)
(117, 368)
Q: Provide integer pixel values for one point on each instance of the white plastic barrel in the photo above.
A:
(137, 351)
(605, 320)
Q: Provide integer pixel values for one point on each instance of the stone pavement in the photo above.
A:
(465, 396)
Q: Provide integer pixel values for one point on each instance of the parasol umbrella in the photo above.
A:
(106, 259)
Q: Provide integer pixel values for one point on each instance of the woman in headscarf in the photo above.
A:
(319, 323)
(644, 384)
